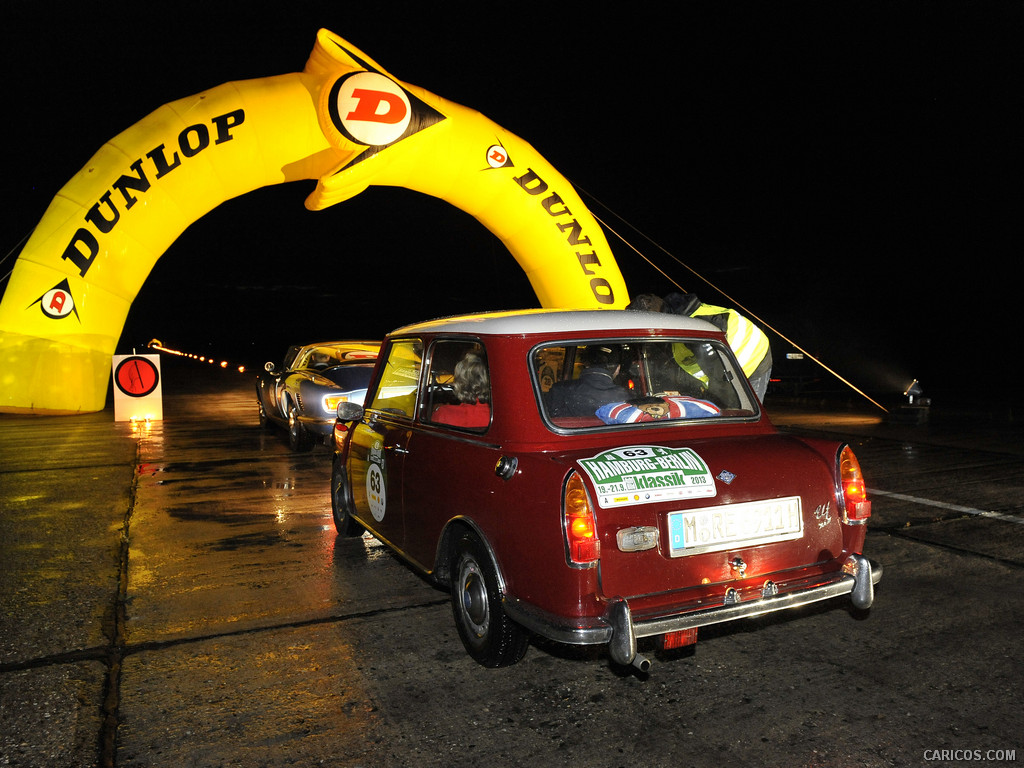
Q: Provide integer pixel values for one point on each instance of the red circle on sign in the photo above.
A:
(136, 376)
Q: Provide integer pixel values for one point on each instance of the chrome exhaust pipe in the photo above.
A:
(641, 662)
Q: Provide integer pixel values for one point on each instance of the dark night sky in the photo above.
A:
(848, 172)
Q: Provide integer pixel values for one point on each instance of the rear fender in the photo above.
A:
(446, 546)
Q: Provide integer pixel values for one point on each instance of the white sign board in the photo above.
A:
(138, 391)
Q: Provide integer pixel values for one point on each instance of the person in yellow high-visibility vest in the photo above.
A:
(748, 342)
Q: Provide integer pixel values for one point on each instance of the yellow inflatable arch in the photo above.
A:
(343, 121)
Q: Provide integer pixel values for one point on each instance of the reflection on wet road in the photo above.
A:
(175, 594)
(253, 539)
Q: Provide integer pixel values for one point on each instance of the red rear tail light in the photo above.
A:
(580, 526)
(855, 494)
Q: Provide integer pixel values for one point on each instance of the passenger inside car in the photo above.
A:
(594, 387)
(625, 382)
(472, 390)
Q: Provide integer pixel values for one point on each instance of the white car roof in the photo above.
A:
(529, 321)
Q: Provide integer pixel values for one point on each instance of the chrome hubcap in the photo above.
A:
(474, 598)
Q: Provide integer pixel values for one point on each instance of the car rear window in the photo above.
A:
(615, 382)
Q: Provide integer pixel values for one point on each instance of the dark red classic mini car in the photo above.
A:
(594, 477)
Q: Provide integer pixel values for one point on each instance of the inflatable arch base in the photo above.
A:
(39, 374)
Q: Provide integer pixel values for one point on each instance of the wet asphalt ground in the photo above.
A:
(175, 595)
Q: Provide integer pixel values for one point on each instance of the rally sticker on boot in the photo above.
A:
(646, 474)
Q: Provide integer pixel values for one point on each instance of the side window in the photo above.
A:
(396, 392)
(458, 386)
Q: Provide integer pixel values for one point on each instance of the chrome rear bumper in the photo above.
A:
(620, 629)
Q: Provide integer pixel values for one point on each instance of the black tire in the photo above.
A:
(490, 637)
(299, 439)
(264, 419)
(343, 521)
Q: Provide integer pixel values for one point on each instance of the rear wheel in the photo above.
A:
(343, 521)
(298, 438)
(490, 636)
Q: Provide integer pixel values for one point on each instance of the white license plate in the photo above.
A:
(712, 529)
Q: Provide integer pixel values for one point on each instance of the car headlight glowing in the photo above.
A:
(331, 403)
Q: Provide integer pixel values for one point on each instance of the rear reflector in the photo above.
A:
(679, 639)
(861, 510)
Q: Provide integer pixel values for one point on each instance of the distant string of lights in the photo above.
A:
(209, 359)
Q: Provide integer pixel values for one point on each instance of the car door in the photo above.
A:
(380, 443)
(449, 467)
